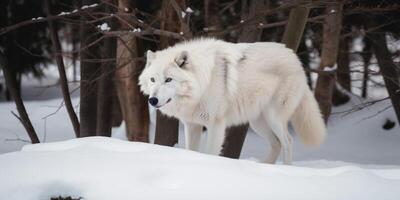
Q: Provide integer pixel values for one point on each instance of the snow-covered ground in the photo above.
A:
(359, 160)
(104, 168)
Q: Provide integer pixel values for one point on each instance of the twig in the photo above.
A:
(16, 139)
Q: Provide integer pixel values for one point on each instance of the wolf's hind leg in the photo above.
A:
(279, 127)
(215, 138)
(193, 136)
(261, 127)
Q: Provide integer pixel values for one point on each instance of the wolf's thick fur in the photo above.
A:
(212, 83)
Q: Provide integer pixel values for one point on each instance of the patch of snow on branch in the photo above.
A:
(104, 27)
(89, 6)
(188, 10)
(136, 30)
(37, 18)
(330, 69)
(64, 13)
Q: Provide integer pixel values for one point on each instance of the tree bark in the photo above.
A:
(106, 85)
(133, 104)
(12, 87)
(89, 73)
(295, 27)
(167, 128)
(57, 50)
(212, 19)
(367, 54)
(116, 108)
(388, 69)
(330, 47)
(343, 63)
(343, 71)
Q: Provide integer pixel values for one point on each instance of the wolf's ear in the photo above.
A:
(150, 56)
(181, 60)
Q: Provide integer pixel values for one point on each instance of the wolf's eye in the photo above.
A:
(152, 79)
(168, 80)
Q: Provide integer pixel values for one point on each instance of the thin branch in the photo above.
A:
(61, 70)
(12, 86)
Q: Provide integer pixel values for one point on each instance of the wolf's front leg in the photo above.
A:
(192, 136)
(215, 137)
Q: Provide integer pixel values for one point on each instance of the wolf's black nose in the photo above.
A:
(153, 101)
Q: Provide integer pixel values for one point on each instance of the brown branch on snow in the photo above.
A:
(12, 86)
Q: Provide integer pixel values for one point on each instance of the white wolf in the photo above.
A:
(212, 83)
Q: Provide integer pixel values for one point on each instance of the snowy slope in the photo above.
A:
(104, 168)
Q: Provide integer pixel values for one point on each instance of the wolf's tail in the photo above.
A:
(307, 121)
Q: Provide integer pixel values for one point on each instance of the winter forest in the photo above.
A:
(76, 124)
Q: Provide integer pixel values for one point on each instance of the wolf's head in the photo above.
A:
(168, 77)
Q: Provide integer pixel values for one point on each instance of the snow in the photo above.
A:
(64, 13)
(330, 68)
(183, 14)
(105, 168)
(89, 6)
(37, 18)
(136, 30)
(104, 27)
(189, 10)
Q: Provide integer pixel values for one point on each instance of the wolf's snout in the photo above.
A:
(153, 101)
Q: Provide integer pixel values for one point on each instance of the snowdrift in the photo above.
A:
(100, 168)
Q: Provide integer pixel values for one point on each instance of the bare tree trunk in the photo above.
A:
(167, 128)
(133, 104)
(367, 54)
(74, 41)
(330, 47)
(295, 27)
(106, 85)
(12, 87)
(212, 20)
(116, 108)
(343, 63)
(343, 71)
(235, 136)
(61, 71)
(388, 69)
(304, 55)
(89, 72)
